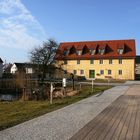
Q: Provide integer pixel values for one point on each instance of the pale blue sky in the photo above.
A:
(26, 23)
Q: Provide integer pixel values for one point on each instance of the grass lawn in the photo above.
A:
(13, 113)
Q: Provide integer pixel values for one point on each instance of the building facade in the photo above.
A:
(137, 70)
(22, 67)
(98, 59)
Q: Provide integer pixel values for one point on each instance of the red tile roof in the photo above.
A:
(111, 49)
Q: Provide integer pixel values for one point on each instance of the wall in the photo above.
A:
(137, 68)
(13, 69)
(29, 70)
(127, 68)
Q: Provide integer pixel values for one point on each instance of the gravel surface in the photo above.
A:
(63, 123)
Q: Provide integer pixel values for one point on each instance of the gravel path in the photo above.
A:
(63, 123)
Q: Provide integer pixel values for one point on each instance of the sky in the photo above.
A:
(25, 24)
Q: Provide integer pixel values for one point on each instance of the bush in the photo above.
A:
(80, 78)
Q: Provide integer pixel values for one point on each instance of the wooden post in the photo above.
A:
(51, 93)
(72, 77)
(80, 86)
(73, 84)
(108, 81)
(23, 92)
(64, 86)
(64, 91)
(92, 84)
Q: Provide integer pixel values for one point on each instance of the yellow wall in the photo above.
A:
(127, 68)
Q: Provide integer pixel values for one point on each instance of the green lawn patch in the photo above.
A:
(13, 113)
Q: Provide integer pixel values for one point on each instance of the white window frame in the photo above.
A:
(78, 62)
(81, 72)
(91, 61)
(74, 72)
(109, 72)
(102, 72)
(120, 72)
(101, 61)
(110, 61)
(120, 60)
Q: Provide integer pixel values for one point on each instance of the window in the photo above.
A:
(74, 71)
(65, 61)
(120, 72)
(102, 72)
(110, 61)
(101, 51)
(92, 52)
(81, 72)
(66, 52)
(109, 72)
(120, 61)
(78, 61)
(91, 61)
(29, 70)
(79, 52)
(91, 73)
(120, 51)
(101, 61)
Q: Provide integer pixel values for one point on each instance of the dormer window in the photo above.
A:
(92, 51)
(120, 51)
(102, 51)
(79, 52)
(66, 52)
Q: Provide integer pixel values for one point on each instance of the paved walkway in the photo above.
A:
(119, 121)
(63, 123)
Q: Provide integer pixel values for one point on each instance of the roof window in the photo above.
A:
(102, 51)
(92, 51)
(66, 52)
(120, 50)
(79, 52)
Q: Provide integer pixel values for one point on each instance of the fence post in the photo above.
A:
(64, 86)
(72, 77)
(80, 86)
(23, 93)
(109, 82)
(92, 84)
(51, 93)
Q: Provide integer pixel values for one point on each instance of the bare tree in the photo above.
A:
(43, 56)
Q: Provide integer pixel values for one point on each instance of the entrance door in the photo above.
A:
(91, 73)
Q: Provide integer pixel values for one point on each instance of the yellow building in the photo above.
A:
(98, 59)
